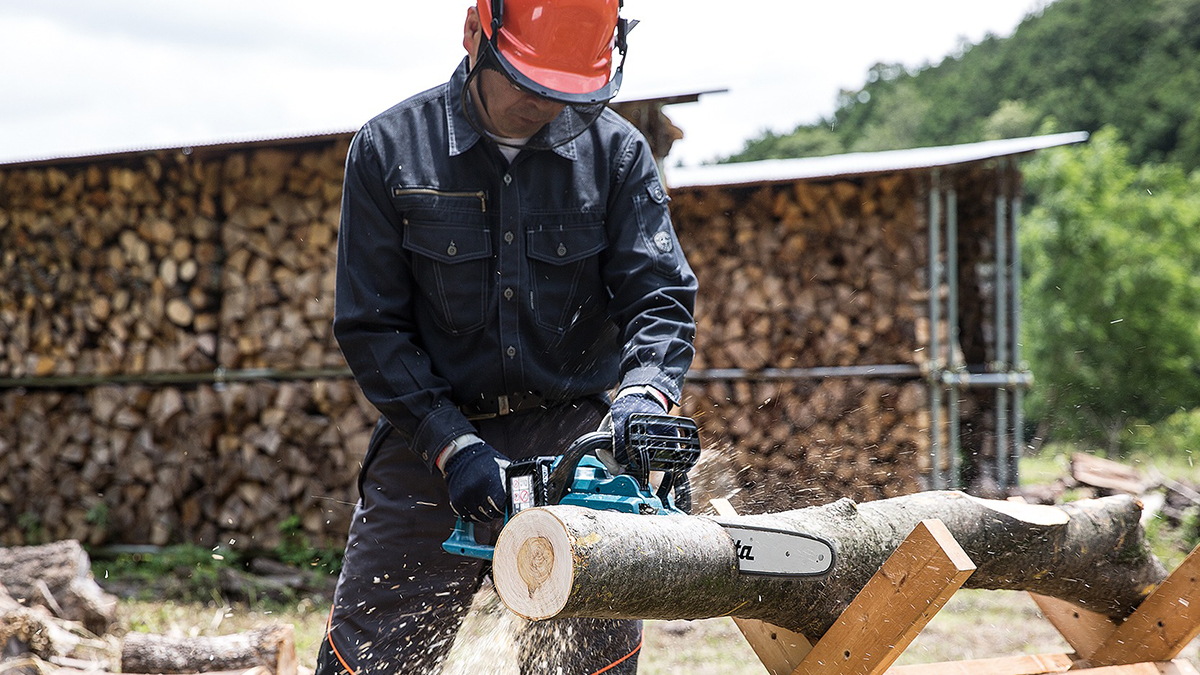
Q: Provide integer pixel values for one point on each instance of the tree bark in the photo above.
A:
(58, 576)
(272, 647)
(562, 561)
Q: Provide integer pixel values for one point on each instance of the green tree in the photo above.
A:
(1112, 298)
(1088, 63)
(814, 141)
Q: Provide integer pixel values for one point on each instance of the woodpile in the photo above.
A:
(55, 619)
(109, 269)
(806, 275)
(170, 262)
(810, 442)
(209, 465)
(279, 238)
(221, 259)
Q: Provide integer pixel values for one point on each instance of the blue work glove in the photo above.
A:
(618, 418)
(476, 480)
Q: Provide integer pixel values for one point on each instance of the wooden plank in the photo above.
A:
(898, 601)
(1025, 664)
(1178, 667)
(1083, 629)
(1144, 668)
(1162, 625)
(779, 649)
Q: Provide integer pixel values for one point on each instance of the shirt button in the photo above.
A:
(507, 179)
(508, 294)
(511, 351)
(562, 250)
(508, 237)
(452, 249)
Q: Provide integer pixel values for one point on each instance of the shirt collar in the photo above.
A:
(460, 132)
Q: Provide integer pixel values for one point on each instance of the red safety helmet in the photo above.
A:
(561, 50)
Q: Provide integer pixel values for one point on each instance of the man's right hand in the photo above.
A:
(475, 478)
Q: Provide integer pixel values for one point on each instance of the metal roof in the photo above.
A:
(861, 163)
(285, 138)
(244, 143)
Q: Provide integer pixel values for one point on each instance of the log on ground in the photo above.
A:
(58, 576)
(561, 561)
(272, 647)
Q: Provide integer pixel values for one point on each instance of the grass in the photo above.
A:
(1054, 461)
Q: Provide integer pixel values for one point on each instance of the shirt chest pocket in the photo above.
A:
(567, 284)
(451, 255)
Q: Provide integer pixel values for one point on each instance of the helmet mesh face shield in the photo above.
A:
(573, 120)
(557, 51)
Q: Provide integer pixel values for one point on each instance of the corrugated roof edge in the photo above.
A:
(861, 163)
(246, 142)
(206, 146)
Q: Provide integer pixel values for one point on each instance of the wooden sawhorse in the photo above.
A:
(915, 582)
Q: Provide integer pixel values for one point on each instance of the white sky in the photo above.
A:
(78, 76)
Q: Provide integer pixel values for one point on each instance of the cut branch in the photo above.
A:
(565, 561)
(272, 647)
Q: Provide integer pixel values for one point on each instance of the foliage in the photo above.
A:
(185, 572)
(1088, 63)
(297, 549)
(1178, 434)
(1112, 298)
(816, 141)
(193, 573)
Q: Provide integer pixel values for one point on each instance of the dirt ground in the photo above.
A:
(973, 625)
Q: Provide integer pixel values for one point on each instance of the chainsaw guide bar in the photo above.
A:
(768, 552)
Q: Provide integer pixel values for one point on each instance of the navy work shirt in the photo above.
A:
(462, 278)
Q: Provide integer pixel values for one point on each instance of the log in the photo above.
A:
(32, 634)
(560, 561)
(58, 576)
(272, 647)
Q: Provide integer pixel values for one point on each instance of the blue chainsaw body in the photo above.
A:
(577, 478)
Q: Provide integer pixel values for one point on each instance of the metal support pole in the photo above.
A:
(1018, 444)
(952, 347)
(1001, 335)
(935, 387)
(889, 371)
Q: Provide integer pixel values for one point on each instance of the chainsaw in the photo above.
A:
(665, 444)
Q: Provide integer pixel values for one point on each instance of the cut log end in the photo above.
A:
(539, 584)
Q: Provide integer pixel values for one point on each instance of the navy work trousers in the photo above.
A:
(400, 598)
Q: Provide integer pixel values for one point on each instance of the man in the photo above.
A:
(505, 258)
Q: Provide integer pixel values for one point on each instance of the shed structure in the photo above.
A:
(168, 373)
(859, 320)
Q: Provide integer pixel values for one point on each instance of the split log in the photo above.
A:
(272, 647)
(1106, 474)
(33, 635)
(58, 576)
(561, 561)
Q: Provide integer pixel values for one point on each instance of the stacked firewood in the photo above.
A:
(279, 240)
(109, 270)
(206, 464)
(806, 275)
(216, 259)
(155, 263)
